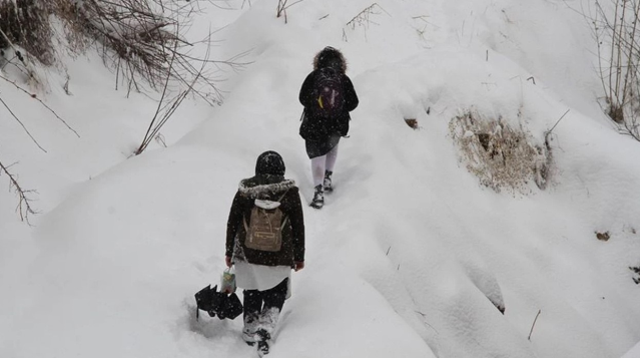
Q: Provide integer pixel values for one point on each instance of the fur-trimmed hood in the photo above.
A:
(330, 57)
(258, 189)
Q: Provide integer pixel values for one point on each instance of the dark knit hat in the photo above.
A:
(270, 163)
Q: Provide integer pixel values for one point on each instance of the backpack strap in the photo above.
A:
(285, 217)
(283, 195)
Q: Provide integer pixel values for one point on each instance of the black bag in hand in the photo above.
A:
(230, 308)
(209, 300)
(218, 303)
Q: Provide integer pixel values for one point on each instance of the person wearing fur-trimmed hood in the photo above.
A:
(265, 276)
(321, 129)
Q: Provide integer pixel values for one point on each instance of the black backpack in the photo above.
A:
(328, 93)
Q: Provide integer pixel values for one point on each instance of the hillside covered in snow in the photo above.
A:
(511, 196)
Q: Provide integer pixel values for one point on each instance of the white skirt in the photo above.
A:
(260, 277)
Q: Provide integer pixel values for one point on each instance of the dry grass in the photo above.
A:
(616, 30)
(141, 40)
(500, 156)
(25, 24)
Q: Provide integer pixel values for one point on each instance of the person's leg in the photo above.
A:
(317, 171)
(275, 297)
(330, 163)
(273, 302)
(252, 307)
(332, 157)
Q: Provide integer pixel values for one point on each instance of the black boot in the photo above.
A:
(328, 187)
(263, 342)
(318, 198)
(249, 329)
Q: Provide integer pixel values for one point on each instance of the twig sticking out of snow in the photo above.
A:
(534, 324)
(363, 18)
(24, 202)
(282, 8)
(34, 96)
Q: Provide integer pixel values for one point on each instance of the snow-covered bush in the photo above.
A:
(141, 40)
(616, 30)
(137, 38)
(25, 24)
(499, 155)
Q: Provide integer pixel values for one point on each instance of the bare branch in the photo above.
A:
(363, 18)
(34, 96)
(534, 324)
(165, 110)
(282, 8)
(21, 124)
(24, 207)
(554, 126)
(616, 35)
(138, 38)
(155, 116)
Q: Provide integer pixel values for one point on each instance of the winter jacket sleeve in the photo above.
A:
(297, 224)
(351, 98)
(305, 96)
(233, 223)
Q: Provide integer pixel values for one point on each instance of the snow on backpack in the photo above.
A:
(264, 231)
(328, 92)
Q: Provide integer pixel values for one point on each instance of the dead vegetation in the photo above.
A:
(26, 23)
(281, 11)
(143, 41)
(363, 19)
(24, 207)
(500, 156)
(636, 274)
(616, 29)
(140, 40)
(603, 236)
(412, 123)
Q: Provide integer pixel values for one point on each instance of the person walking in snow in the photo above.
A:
(328, 96)
(265, 240)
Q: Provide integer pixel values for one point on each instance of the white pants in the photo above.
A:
(323, 163)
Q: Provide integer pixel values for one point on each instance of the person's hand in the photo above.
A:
(298, 265)
(227, 260)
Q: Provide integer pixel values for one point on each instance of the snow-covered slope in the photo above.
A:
(410, 254)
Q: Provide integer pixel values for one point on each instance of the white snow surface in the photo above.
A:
(410, 253)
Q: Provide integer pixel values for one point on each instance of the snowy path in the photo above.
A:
(409, 252)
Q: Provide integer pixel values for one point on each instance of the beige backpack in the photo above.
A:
(264, 231)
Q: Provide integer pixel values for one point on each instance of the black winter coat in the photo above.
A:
(269, 188)
(315, 128)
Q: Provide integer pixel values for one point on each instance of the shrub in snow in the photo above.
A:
(499, 155)
(137, 37)
(142, 40)
(25, 24)
(616, 31)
